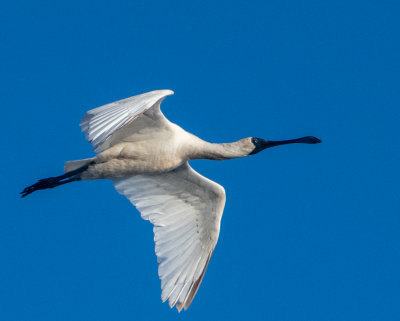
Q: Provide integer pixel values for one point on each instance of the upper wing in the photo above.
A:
(102, 123)
(186, 210)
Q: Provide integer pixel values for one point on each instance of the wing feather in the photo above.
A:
(185, 209)
(100, 123)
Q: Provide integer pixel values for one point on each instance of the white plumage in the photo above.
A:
(184, 207)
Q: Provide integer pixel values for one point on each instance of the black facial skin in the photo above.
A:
(261, 144)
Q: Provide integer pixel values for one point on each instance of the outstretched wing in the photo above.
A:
(185, 209)
(106, 125)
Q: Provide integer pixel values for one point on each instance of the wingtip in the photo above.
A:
(179, 307)
(167, 92)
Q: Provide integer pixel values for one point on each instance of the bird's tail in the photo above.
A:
(52, 182)
(75, 164)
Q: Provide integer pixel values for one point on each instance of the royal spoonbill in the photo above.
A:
(146, 157)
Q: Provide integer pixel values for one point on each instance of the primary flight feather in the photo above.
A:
(146, 156)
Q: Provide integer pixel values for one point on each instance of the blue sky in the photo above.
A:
(309, 232)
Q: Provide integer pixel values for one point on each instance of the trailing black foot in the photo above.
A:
(45, 183)
(56, 181)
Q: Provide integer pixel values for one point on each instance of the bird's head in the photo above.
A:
(261, 144)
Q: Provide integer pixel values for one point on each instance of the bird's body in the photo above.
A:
(134, 158)
(156, 156)
(160, 154)
(146, 157)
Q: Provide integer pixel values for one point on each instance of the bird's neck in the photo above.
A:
(206, 150)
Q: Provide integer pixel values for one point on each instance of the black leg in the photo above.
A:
(52, 182)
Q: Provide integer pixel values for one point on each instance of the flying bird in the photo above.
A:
(146, 156)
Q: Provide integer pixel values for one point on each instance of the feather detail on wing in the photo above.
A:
(185, 209)
(100, 123)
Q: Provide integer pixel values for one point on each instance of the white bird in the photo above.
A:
(146, 156)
